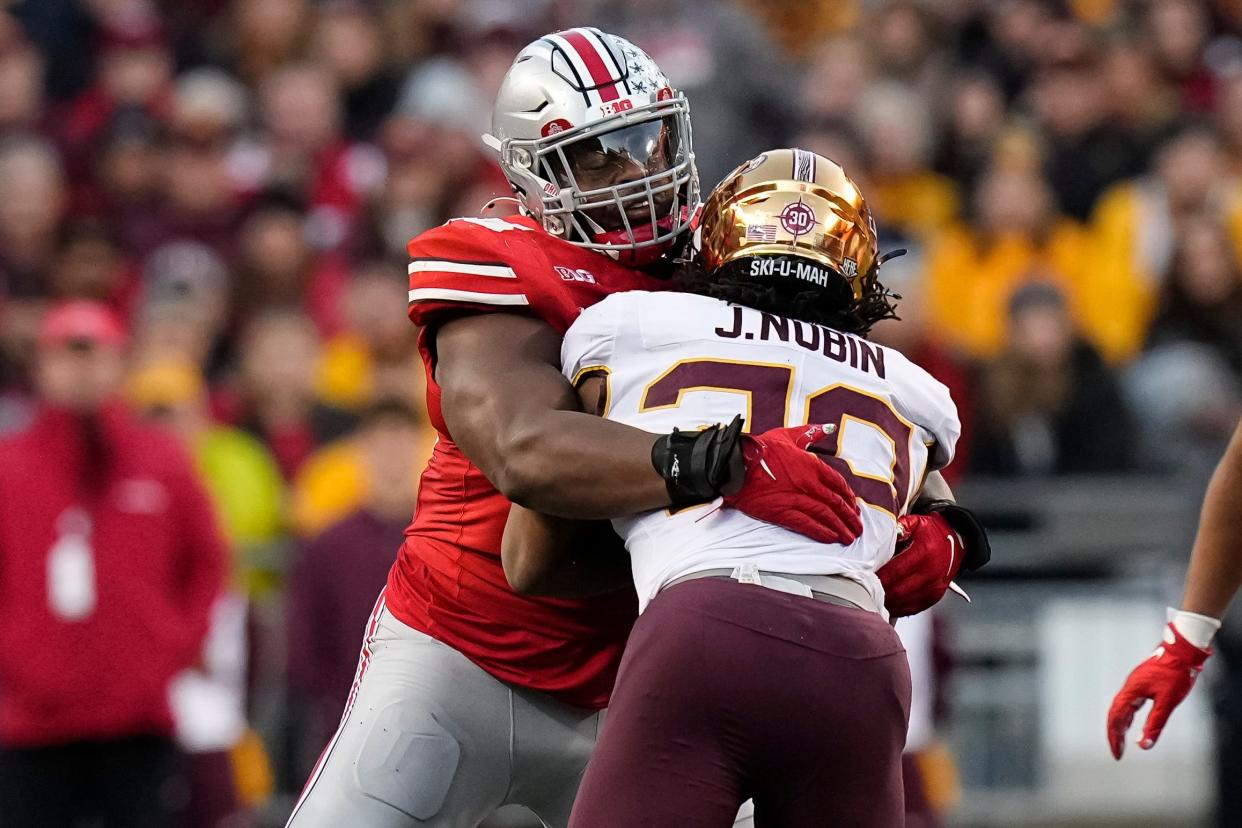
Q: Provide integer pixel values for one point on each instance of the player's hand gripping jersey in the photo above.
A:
(686, 361)
(448, 580)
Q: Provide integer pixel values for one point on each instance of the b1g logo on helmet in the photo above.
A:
(623, 105)
(798, 218)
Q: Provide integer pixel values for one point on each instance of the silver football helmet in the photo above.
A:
(597, 145)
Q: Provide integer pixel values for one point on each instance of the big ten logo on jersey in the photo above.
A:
(570, 274)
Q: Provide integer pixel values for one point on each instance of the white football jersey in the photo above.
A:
(688, 361)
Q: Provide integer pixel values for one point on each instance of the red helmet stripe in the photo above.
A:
(590, 56)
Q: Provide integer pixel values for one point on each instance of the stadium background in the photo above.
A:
(238, 179)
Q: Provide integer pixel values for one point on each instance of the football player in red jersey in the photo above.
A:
(467, 695)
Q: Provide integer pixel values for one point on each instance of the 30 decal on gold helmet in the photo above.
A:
(792, 203)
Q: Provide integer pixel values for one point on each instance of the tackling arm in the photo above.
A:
(518, 419)
(935, 541)
(936, 498)
(538, 551)
(542, 555)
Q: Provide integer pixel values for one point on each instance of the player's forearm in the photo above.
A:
(544, 555)
(518, 419)
(1215, 571)
(575, 465)
(542, 454)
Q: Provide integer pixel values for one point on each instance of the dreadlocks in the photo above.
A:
(833, 305)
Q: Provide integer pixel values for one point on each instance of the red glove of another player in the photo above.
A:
(789, 486)
(1165, 678)
(929, 555)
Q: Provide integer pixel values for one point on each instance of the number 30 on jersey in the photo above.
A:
(768, 390)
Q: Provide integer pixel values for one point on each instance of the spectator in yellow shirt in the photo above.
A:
(1135, 226)
(228, 767)
(976, 267)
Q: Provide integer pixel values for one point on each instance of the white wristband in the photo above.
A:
(1195, 628)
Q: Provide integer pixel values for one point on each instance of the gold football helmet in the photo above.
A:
(791, 202)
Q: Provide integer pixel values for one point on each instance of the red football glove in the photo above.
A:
(929, 555)
(789, 486)
(1165, 678)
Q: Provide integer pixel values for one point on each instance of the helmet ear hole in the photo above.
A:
(520, 157)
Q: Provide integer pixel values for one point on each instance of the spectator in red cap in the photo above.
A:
(110, 560)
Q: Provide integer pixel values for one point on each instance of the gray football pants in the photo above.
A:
(430, 739)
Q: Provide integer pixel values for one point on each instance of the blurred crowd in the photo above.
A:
(237, 180)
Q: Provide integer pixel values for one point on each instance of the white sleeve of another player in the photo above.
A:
(588, 343)
(916, 634)
(928, 403)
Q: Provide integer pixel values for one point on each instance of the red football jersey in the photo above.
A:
(448, 580)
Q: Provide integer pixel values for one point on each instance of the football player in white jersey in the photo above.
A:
(762, 665)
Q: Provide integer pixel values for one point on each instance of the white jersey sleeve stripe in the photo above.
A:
(447, 295)
(497, 271)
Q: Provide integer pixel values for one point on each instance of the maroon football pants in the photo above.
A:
(729, 691)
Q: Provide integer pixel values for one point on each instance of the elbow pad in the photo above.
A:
(695, 465)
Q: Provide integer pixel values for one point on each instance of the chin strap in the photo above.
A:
(892, 254)
(640, 256)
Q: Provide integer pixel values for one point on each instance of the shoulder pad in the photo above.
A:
(480, 263)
